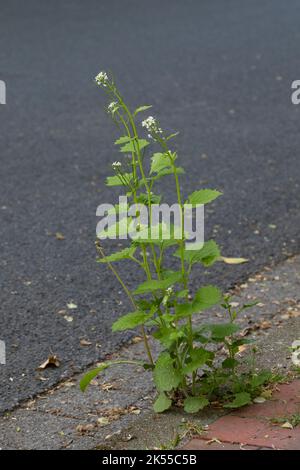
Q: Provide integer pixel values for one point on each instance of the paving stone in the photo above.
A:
(250, 431)
(285, 401)
(201, 444)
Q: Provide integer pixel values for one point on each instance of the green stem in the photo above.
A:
(129, 295)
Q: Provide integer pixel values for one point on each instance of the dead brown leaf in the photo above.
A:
(109, 386)
(84, 342)
(51, 361)
(103, 421)
(287, 425)
(62, 312)
(242, 348)
(59, 236)
(264, 325)
(83, 428)
(136, 339)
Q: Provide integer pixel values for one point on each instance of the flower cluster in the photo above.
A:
(152, 126)
(112, 107)
(116, 165)
(102, 79)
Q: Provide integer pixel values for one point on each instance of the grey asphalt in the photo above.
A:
(220, 72)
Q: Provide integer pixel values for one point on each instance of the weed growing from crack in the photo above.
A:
(187, 371)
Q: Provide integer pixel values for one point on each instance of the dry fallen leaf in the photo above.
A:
(84, 342)
(243, 348)
(103, 421)
(264, 325)
(287, 425)
(234, 260)
(59, 236)
(259, 399)
(69, 384)
(291, 314)
(51, 361)
(68, 318)
(136, 339)
(61, 312)
(213, 441)
(94, 382)
(109, 386)
(71, 305)
(83, 428)
(267, 394)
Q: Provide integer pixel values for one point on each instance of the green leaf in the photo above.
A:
(159, 161)
(130, 321)
(131, 146)
(171, 136)
(203, 196)
(199, 357)
(229, 363)
(162, 403)
(259, 379)
(143, 198)
(241, 399)
(168, 171)
(85, 381)
(166, 377)
(184, 310)
(182, 293)
(123, 140)
(221, 330)
(140, 109)
(123, 254)
(205, 298)
(207, 255)
(167, 335)
(87, 378)
(195, 404)
(152, 286)
(116, 181)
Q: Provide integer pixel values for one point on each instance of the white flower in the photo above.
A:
(149, 122)
(169, 291)
(151, 125)
(102, 79)
(116, 165)
(113, 107)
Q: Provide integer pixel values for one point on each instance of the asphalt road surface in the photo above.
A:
(220, 72)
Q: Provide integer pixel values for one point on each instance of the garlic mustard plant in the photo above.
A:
(187, 370)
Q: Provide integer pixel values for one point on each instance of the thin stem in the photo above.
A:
(129, 295)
